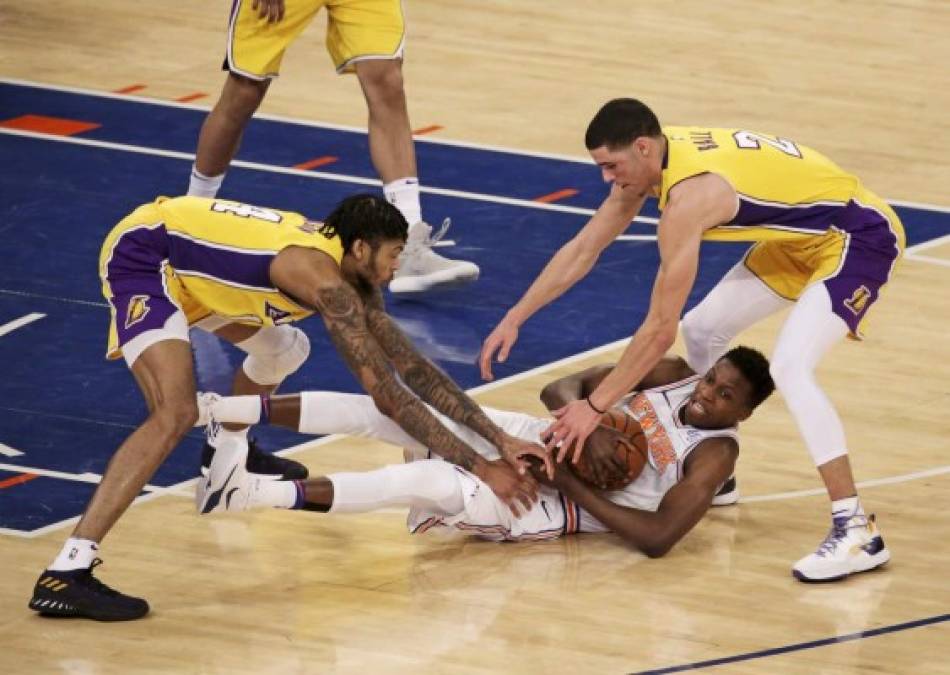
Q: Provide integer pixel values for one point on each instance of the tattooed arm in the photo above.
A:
(437, 389)
(313, 278)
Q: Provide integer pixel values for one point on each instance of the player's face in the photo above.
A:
(721, 398)
(385, 262)
(628, 168)
(368, 266)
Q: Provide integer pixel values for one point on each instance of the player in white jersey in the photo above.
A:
(689, 421)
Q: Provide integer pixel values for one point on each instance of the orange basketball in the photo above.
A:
(630, 447)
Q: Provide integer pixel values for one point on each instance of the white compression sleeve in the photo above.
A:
(739, 300)
(328, 412)
(429, 484)
(809, 332)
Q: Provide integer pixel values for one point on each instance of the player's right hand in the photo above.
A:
(514, 489)
(272, 10)
(600, 454)
(501, 340)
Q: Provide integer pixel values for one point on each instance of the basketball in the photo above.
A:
(630, 447)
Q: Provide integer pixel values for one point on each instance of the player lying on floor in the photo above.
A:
(689, 423)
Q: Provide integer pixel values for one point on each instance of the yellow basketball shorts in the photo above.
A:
(140, 287)
(854, 264)
(357, 30)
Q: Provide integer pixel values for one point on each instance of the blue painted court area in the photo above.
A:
(66, 409)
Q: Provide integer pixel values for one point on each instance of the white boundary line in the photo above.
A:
(341, 127)
(890, 480)
(11, 326)
(294, 120)
(335, 177)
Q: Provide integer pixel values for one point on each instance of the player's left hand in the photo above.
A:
(272, 10)
(514, 450)
(573, 424)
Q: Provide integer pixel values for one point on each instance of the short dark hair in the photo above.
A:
(619, 123)
(367, 217)
(755, 368)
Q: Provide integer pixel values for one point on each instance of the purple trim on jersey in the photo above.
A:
(134, 274)
(850, 217)
(228, 265)
(811, 217)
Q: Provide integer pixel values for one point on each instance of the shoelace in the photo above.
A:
(433, 239)
(91, 582)
(839, 530)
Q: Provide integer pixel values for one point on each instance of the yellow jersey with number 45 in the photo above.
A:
(786, 190)
(214, 256)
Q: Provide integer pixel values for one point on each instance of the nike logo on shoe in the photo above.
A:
(215, 497)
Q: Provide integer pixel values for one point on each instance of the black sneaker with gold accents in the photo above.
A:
(260, 461)
(79, 593)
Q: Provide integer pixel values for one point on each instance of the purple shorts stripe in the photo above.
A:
(134, 276)
(228, 265)
(865, 268)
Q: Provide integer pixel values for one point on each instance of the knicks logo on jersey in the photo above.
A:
(658, 441)
(858, 300)
(137, 310)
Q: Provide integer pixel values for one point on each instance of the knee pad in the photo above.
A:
(273, 353)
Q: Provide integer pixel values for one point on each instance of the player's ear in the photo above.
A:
(359, 249)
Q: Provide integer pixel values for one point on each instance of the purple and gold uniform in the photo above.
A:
(202, 257)
(357, 30)
(812, 221)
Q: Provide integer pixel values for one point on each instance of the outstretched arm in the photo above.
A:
(313, 278)
(655, 532)
(569, 265)
(694, 206)
(579, 385)
(437, 389)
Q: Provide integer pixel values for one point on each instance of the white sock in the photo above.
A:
(237, 409)
(404, 195)
(77, 554)
(281, 494)
(430, 484)
(201, 185)
(849, 506)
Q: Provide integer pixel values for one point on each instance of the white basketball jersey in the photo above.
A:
(669, 439)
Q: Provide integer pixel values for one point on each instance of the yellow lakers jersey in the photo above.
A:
(219, 253)
(785, 190)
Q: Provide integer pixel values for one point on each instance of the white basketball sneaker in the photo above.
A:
(227, 486)
(421, 268)
(854, 544)
(728, 494)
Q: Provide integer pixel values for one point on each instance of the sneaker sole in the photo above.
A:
(425, 282)
(76, 613)
(865, 565)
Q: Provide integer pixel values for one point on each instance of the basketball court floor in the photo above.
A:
(99, 112)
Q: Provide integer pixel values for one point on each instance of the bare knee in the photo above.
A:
(173, 419)
(241, 96)
(382, 82)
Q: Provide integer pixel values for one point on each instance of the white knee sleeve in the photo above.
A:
(429, 484)
(273, 353)
(739, 300)
(810, 331)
